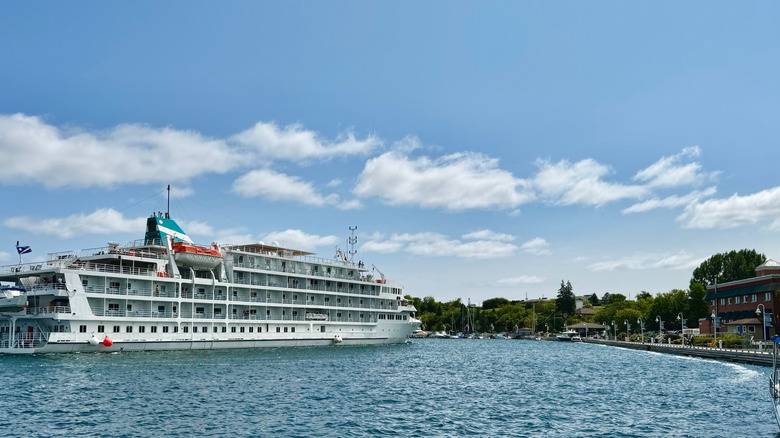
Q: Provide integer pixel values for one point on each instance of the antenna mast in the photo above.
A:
(168, 213)
(352, 241)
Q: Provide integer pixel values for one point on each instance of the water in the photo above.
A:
(428, 388)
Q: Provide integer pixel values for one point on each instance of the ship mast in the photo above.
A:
(168, 213)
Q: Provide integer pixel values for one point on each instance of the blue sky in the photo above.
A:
(482, 149)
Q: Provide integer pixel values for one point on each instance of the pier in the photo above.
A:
(746, 356)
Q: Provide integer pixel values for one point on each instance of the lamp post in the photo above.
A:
(759, 311)
(660, 327)
(614, 327)
(628, 330)
(641, 329)
(682, 326)
(715, 327)
(715, 321)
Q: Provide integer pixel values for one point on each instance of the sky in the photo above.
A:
(482, 149)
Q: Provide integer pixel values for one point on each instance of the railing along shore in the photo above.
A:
(762, 357)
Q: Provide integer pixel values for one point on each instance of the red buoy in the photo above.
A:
(108, 342)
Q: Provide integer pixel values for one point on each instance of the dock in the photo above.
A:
(746, 356)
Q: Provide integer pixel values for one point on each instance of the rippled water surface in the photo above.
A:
(427, 388)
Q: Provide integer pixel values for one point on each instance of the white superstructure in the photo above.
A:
(163, 293)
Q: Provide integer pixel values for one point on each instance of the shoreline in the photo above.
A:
(761, 358)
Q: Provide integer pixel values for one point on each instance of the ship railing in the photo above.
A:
(250, 317)
(24, 267)
(114, 269)
(48, 309)
(24, 340)
(132, 249)
(164, 294)
(140, 292)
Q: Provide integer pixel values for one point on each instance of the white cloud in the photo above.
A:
(564, 183)
(537, 246)
(670, 201)
(5, 256)
(297, 239)
(435, 244)
(644, 261)
(669, 172)
(276, 186)
(489, 235)
(455, 182)
(734, 211)
(35, 151)
(101, 221)
(294, 143)
(519, 281)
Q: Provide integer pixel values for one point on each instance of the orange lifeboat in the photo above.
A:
(196, 256)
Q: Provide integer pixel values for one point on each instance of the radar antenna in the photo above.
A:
(352, 241)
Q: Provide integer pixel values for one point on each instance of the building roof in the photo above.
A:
(747, 321)
(757, 285)
(585, 311)
(737, 315)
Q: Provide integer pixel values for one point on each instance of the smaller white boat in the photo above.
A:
(569, 336)
(13, 299)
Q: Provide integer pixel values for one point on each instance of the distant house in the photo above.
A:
(605, 299)
(585, 311)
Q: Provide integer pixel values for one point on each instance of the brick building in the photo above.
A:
(736, 303)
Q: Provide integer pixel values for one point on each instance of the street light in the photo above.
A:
(682, 326)
(763, 322)
(628, 330)
(660, 327)
(715, 328)
(547, 329)
(641, 328)
(614, 326)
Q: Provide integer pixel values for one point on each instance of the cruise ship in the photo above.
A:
(166, 293)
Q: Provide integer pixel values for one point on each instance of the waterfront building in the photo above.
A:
(736, 304)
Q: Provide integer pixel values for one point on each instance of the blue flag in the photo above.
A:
(23, 249)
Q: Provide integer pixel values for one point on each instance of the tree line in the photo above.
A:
(503, 315)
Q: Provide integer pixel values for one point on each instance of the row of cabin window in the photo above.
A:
(745, 299)
(395, 317)
(186, 329)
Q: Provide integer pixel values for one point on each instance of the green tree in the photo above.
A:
(566, 302)
(668, 305)
(616, 299)
(697, 306)
(730, 266)
(594, 300)
(494, 303)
